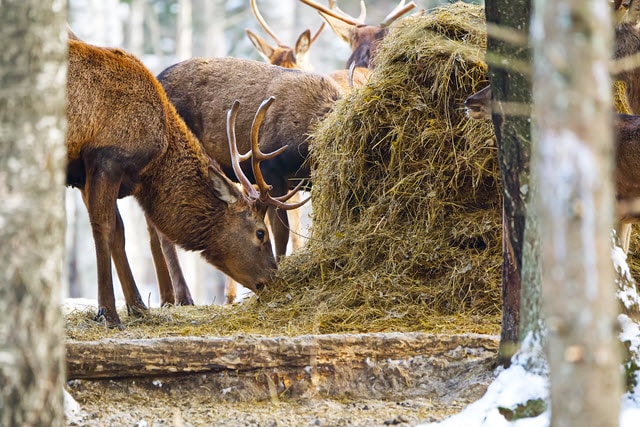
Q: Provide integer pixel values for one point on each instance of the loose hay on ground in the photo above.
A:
(406, 231)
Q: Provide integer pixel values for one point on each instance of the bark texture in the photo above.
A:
(573, 161)
(356, 366)
(508, 57)
(32, 155)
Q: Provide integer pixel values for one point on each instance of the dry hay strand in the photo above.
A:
(406, 193)
(406, 231)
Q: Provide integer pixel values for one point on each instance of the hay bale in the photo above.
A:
(406, 193)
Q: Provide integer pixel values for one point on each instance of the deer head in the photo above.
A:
(282, 54)
(362, 38)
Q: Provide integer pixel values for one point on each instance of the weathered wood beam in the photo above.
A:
(111, 358)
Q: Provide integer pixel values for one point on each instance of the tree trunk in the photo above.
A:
(32, 152)
(509, 57)
(573, 160)
(184, 30)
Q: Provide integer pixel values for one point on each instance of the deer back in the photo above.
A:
(203, 89)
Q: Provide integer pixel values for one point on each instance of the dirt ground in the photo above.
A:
(115, 407)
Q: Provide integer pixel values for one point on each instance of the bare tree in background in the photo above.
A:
(32, 154)
(184, 30)
(573, 156)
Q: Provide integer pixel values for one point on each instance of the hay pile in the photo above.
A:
(406, 196)
(406, 193)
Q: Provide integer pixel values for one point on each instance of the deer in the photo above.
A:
(627, 161)
(296, 57)
(627, 127)
(202, 88)
(125, 138)
(282, 54)
(362, 37)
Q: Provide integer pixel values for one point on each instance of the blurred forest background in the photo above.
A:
(161, 33)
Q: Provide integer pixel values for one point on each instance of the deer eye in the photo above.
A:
(260, 235)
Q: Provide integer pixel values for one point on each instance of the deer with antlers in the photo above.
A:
(125, 138)
(282, 54)
(362, 37)
(297, 58)
(202, 89)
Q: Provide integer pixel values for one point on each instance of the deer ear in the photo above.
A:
(224, 189)
(304, 43)
(259, 43)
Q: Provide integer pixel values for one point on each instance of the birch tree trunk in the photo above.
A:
(32, 154)
(573, 157)
(184, 30)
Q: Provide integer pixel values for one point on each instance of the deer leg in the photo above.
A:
(135, 305)
(280, 228)
(624, 234)
(180, 288)
(167, 296)
(100, 194)
(230, 290)
(294, 222)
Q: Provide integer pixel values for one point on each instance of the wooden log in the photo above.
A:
(165, 356)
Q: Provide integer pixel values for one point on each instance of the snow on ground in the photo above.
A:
(517, 384)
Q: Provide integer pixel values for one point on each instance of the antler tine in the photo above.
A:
(363, 12)
(279, 201)
(263, 23)
(315, 36)
(396, 13)
(258, 156)
(336, 13)
(233, 150)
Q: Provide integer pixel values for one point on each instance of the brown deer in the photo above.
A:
(201, 89)
(627, 51)
(282, 54)
(362, 37)
(627, 161)
(296, 58)
(125, 138)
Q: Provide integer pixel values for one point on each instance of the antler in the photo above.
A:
(398, 11)
(263, 23)
(257, 156)
(336, 13)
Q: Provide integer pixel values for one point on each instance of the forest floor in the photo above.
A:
(178, 411)
(357, 380)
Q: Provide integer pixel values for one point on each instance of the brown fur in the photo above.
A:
(364, 41)
(125, 138)
(627, 41)
(203, 89)
(362, 37)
